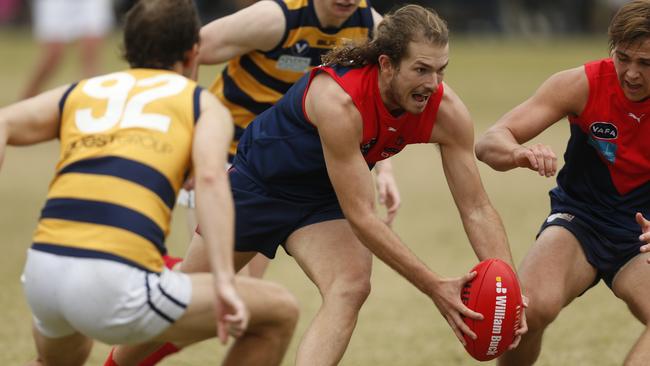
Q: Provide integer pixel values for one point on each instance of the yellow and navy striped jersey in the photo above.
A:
(252, 83)
(126, 141)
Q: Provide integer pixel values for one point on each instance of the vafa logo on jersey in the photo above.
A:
(604, 130)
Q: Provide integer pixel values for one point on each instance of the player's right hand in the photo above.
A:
(538, 157)
(232, 315)
(448, 301)
(645, 233)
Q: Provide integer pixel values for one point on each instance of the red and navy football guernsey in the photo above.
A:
(281, 149)
(606, 175)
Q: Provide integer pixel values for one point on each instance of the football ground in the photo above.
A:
(398, 326)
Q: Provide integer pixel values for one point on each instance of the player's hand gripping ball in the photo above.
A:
(496, 294)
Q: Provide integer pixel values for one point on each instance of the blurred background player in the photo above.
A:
(593, 229)
(58, 23)
(269, 46)
(301, 176)
(128, 139)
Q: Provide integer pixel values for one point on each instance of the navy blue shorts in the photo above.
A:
(263, 222)
(604, 253)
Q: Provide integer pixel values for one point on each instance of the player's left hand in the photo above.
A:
(388, 193)
(645, 232)
(523, 325)
(232, 315)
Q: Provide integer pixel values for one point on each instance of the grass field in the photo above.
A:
(398, 326)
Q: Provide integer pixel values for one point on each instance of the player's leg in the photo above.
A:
(196, 258)
(631, 285)
(553, 273)
(273, 316)
(256, 267)
(70, 350)
(339, 265)
(49, 60)
(90, 52)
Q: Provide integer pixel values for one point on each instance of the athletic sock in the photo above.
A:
(109, 360)
(162, 352)
(170, 261)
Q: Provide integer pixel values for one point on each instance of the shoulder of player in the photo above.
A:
(327, 99)
(453, 115)
(210, 104)
(567, 88)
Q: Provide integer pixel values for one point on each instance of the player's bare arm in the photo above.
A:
(339, 125)
(454, 132)
(257, 27)
(31, 121)
(563, 94)
(216, 210)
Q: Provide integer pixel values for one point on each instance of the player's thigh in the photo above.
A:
(555, 270)
(266, 302)
(329, 251)
(198, 321)
(631, 285)
(196, 258)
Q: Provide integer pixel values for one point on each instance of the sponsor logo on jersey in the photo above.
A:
(606, 149)
(97, 141)
(368, 145)
(293, 63)
(604, 130)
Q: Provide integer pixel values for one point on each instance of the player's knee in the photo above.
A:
(350, 292)
(541, 312)
(285, 308)
(290, 309)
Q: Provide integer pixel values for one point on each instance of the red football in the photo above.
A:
(496, 294)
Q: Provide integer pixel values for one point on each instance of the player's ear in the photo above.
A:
(190, 56)
(190, 60)
(385, 65)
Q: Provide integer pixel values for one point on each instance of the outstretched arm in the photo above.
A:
(256, 27)
(502, 146)
(30, 121)
(215, 210)
(339, 125)
(454, 132)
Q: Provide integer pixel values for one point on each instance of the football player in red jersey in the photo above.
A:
(301, 176)
(603, 190)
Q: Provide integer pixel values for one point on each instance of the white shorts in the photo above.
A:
(69, 20)
(186, 198)
(105, 300)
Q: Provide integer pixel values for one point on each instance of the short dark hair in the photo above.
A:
(630, 24)
(158, 33)
(394, 33)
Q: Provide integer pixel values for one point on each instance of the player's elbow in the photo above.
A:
(360, 219)
(210, 177)
(485, 152)
(482, 151)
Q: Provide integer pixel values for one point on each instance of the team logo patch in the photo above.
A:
(301, 48)
(368, 145)
(606, 149)
(560, 215)
(604, 130)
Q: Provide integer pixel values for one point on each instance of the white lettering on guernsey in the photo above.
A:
(499, 314)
